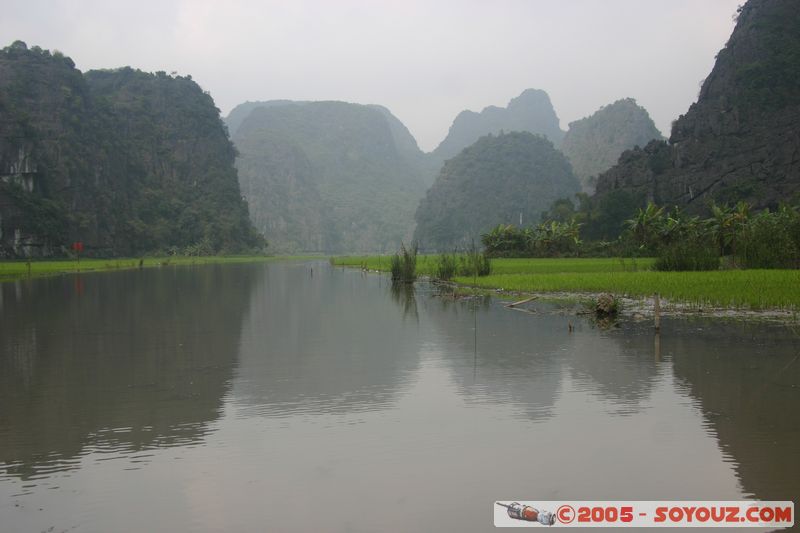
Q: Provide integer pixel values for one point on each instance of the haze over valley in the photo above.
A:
(326, 175)
(310, 265)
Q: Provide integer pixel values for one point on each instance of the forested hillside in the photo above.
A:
(494, 181)
(124, 161)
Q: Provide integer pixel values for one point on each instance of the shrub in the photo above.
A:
(770, 240)
(688, 254)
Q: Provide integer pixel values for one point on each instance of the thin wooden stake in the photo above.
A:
(657, 306)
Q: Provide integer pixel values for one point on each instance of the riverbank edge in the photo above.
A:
(18, 270)
(636, 307)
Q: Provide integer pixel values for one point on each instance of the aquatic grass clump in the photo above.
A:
(446, 266)
(403, 264)
(474, 263)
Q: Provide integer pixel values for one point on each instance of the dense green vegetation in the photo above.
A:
(124, 161)
(494, 181)
(768, 239)
(595, 227)
(549, 239)
(733, 235)
(181, 185)
(771, 80)
(329, 176)
(594, 144)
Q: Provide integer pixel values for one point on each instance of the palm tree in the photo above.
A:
(740, 226)
(646, 225)
(571, 232)
(722, 226)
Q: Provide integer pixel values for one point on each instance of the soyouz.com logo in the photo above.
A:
(777, 515)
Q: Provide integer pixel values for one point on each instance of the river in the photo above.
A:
(303, 397)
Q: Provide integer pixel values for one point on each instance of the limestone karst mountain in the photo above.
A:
(594, 144)
(740, 140)
(124, 161)
(328, 176)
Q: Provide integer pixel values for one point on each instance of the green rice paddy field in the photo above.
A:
(753, 289)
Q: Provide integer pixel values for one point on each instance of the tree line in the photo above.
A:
(730, 237)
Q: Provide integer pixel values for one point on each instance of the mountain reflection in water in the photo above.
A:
(234, 397)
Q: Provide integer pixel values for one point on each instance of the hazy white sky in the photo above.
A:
(425, 60)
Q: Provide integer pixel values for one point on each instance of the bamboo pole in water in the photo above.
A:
(657, 308)
(526, 300)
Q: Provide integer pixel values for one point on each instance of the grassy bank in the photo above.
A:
(426, 264)
(15, 270)
(755, 289)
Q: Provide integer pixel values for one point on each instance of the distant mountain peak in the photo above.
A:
(529, 97)
(593, 144)
(531, 111)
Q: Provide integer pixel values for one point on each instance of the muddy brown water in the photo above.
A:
(266, 397)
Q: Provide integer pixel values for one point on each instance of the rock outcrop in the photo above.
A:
(594, 144)
(741, 139)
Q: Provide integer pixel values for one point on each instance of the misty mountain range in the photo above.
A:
(132, 163)
(351, 180)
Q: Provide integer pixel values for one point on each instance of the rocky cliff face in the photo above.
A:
(124, 161)
(531, 111)
(329, 176)
(44, 102)
(741, 139)
(594, 144)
